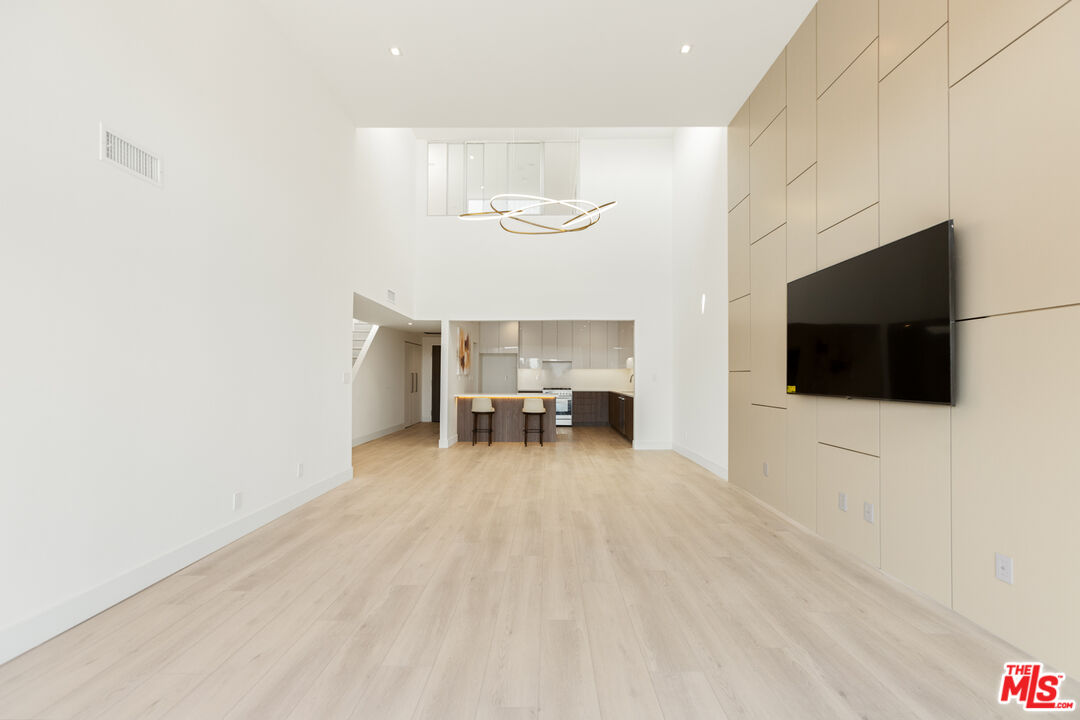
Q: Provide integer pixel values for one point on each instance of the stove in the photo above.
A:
(564, 405)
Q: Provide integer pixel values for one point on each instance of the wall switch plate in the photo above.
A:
(300, 470)
(868, 512)
(1003, 568)
(765, 469)
(346, 377)
(841, 501)
(237, 501)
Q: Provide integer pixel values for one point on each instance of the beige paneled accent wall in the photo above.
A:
(880, 119)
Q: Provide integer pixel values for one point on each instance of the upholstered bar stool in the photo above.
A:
(533, 406)
(482, 406)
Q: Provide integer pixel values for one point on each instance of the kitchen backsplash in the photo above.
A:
(607, 379)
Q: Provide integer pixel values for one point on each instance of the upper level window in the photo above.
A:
(463, 177)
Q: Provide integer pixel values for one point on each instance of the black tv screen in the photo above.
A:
(879, 325)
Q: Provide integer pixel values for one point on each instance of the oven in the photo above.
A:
(564, 405)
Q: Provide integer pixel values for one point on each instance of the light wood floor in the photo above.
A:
(578, 580)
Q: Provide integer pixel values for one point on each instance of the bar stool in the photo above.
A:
(482, 406)
(533, 406)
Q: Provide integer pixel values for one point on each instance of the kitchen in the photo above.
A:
(582, 371)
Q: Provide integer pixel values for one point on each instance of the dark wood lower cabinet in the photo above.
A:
(590, 408)
(605, 408)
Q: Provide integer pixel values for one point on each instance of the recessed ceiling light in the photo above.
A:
(397, 51)
(410, 323)
(685, 50)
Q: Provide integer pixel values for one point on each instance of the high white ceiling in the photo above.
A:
(568, 63)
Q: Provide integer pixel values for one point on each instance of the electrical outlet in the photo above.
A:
(300, 470)
(765, 469)
(237, 501)
(1003, 569)
(841, 501)
(868, 512)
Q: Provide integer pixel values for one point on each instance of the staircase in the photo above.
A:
(363, 334)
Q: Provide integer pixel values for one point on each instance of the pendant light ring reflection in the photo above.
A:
(586, 215)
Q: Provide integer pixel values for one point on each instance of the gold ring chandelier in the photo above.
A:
(586, 214)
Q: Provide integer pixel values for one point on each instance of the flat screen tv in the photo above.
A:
(879, 325)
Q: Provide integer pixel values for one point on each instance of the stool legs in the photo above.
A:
(526, 429)
(477, 429)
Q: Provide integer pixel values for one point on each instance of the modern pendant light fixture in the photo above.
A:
(523, 220)
(526, 219)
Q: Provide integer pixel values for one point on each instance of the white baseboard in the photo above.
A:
(376, 435)
(450, 441)
(640, 445)
(31, 632)
(715, 468)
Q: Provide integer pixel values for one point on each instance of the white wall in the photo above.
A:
(378, 390)
(383, 203)
(167, 347)
(620, 269)
(699, 265)
(454, 383)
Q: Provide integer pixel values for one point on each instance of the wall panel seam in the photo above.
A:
(1008, 45)
(841, 447)
(857, 212)
(803, 171)
(1018, 312)
(848, 67)
(770, 232)
(917, 48)
(769, 124)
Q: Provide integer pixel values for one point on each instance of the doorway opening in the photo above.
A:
(436, 381)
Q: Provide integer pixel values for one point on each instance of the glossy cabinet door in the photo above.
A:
(489, 337)
(626, 342)
(530, 343)
(581, 354)
(613, 344)
(508, 337)
(564, 347)
(549, 340)
(598, 344)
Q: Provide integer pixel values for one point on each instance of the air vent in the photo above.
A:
(391, 296)
(130, 157)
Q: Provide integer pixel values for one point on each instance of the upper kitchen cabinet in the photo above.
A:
(530, 343)
(489, 337)
(508, 336)
(588, 344)
(580, 353)
(564, 345)
(498, 337)
(626, 342)
(557, 340)
(549, 330)
(598, 344)
(613, 344)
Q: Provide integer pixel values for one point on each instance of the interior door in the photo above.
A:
(412, 383)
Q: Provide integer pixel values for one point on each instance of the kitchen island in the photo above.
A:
(508, 422)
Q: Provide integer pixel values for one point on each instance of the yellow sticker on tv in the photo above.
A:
(790, 388)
